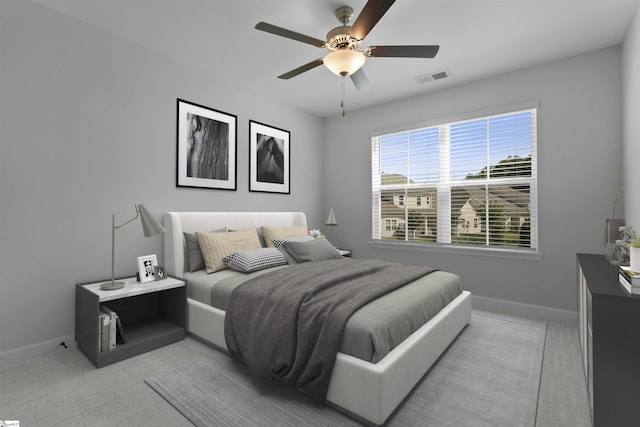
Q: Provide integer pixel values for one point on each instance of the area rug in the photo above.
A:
(489, 376)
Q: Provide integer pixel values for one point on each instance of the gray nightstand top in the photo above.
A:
(132, 288)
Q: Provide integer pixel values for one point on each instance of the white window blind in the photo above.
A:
(470, 182)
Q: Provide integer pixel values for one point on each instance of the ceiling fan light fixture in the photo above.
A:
(344, 62)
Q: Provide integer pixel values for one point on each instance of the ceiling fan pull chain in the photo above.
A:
(343, 95)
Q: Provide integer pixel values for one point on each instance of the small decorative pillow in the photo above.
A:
(270, 233)
(319, 249)
(216, 246)
(254, 259)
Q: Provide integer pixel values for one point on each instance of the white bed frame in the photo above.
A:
(367, 390)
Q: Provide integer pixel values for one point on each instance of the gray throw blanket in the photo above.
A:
(287, 324)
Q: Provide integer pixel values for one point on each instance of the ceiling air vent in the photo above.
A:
(433, 76)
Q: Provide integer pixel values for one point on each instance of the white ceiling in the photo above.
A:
(477, 38)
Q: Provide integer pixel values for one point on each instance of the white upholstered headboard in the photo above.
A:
(178, 223)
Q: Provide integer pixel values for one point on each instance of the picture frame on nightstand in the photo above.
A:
(159, 272)
(146, 268)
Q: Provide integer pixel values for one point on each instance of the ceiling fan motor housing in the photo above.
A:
(339, 38)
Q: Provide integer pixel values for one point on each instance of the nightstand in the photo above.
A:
(152, 315)
(345, 252)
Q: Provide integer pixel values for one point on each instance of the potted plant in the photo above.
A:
(613, 226)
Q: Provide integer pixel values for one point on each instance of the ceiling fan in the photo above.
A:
(346, 56)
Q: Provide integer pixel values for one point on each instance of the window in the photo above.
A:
(391, 224)
(470, 182)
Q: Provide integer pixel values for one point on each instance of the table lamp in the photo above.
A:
(150, 227)
(331, 221)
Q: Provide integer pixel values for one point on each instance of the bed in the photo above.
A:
(367, 390)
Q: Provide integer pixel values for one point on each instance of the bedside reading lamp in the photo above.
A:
(331, 220)
(150, 227)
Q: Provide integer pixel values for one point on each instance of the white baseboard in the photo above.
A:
(526, 310)
(31, 351)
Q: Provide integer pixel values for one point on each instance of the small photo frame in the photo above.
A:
(146, 268)
(269, 159)
(159, 272)
(207, 142)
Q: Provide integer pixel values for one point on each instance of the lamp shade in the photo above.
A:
(331, 219)
(150, 226)
(344, 62)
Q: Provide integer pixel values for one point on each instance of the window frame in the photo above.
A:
(444, 244)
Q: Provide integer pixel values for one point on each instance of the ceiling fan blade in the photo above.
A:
(302, 69)
(283, 32)
(404, 51)
(369, 17)
(360, 80)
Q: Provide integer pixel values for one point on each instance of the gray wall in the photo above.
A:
(579, 149)
(88, 129)
(631, 78)
(88, 125)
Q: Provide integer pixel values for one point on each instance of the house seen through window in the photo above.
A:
(464, 183)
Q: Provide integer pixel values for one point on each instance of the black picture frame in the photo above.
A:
(269, 159)
(206, 147)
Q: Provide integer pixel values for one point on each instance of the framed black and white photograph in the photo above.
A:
(269, 158)
(146, 268)
(159, 272)
(207, 142)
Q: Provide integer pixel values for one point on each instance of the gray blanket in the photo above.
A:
(288, 324)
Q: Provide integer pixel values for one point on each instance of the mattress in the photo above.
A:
(375, 329)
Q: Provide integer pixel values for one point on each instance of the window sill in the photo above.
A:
(460, 250)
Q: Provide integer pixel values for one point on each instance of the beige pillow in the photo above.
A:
(215, 246)
(270, 234)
